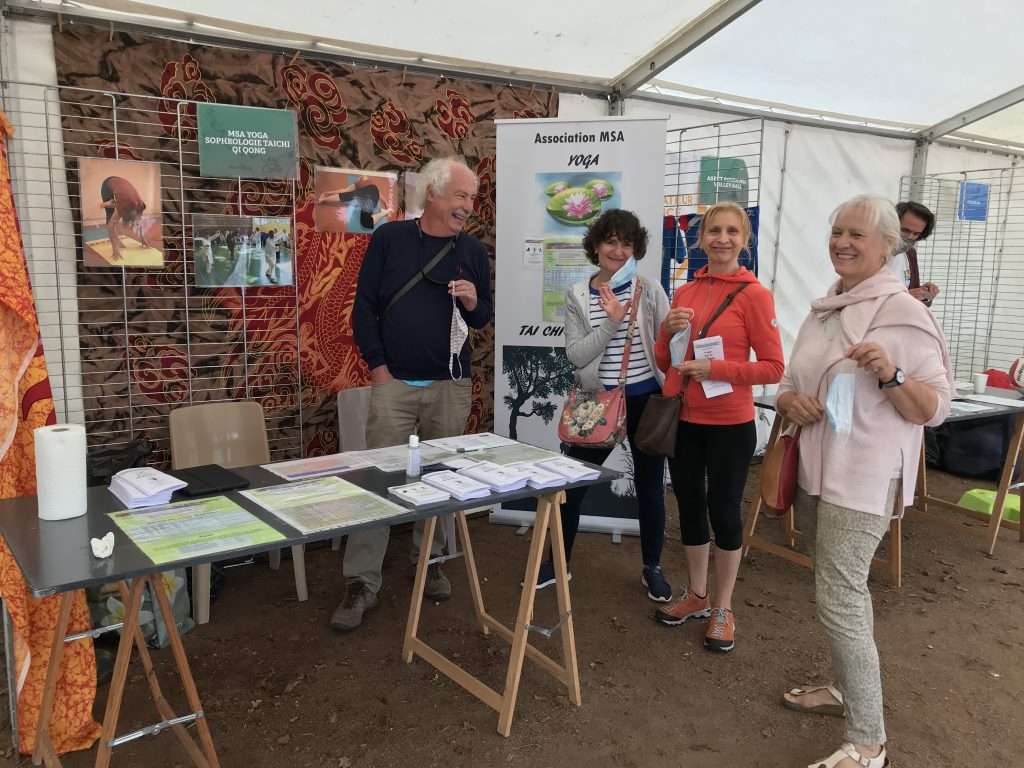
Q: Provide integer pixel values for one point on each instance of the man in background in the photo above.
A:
(421, 284)
(916, 224)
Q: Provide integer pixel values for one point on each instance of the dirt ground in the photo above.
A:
(281, 689)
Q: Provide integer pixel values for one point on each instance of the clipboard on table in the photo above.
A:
(209, 478)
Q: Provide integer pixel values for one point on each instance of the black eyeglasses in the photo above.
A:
(439, 269)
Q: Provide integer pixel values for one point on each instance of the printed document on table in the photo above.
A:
(993, 400)
(322, 504)
(572, 470)
(467, 443)
(419, 493)
(395, 457)
(538, 477)
(316, 466)
(511, 454)
(711, 348)
(191, 528)
(962, 406)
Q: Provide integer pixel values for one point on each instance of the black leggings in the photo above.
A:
(721, 454)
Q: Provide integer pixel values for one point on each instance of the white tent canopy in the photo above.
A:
(908, 65)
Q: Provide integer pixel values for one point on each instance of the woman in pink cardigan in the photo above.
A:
(868, 368)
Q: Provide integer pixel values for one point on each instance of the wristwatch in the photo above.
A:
(898, 378)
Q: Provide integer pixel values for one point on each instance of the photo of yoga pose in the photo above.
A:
(121, 220)
(353, 201)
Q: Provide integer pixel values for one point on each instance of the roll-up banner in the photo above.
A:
(554, 177)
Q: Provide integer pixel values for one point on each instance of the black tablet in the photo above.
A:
(209, 478)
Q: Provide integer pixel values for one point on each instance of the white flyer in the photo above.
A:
(533, 253)
(711, 348)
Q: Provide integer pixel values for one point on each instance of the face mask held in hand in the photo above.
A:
(456, 339)
(839, 405)
(678, 344)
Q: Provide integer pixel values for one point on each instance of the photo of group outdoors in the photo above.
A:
(353, 201)
(239, 251)
(121, 220)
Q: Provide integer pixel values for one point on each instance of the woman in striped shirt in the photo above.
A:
(597, 314)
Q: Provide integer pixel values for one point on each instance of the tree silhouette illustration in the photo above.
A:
(535, 374)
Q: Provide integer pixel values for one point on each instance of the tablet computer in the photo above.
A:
(209, 478)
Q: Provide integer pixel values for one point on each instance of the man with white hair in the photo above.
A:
(421, 284)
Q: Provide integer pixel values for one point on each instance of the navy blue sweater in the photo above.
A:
(413, 339)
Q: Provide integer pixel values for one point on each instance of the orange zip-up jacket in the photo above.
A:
(747, 323)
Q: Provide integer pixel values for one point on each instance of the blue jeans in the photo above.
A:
(648, 477)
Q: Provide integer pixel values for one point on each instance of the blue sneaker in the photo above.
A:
(546, 577)
(658, 588)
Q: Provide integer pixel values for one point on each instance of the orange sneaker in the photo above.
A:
(689, 606)
(721, 631)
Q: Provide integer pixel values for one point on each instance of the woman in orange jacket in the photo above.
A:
(730, 313)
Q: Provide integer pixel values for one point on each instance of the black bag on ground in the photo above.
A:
(973, 448)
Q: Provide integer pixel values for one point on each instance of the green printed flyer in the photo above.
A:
(188, 529)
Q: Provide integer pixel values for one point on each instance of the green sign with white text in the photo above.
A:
(723, 179)
(249, 142)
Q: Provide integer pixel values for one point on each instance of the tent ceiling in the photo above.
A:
(907, 64)
(535, 36)
(914, 62)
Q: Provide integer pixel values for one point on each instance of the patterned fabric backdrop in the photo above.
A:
(348, 117)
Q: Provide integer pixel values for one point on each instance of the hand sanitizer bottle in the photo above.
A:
(412, 466)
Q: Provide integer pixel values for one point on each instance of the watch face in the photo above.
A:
(900, 376)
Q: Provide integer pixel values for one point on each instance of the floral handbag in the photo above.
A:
(598, 419)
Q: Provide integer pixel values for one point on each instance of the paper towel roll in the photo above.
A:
(60, 471)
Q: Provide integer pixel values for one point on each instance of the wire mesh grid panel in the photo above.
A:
(704, 165)
(976, 257)
(186, 296)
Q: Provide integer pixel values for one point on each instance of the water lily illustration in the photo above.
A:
(116, 613)
(578, 206)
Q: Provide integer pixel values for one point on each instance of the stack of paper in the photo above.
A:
(459, 486)
(569, 469)
(538, 477)
(502, 479)
(144, 487)
(419, 493)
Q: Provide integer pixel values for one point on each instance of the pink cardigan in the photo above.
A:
(853, 471)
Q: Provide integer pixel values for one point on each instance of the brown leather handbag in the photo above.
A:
(656, 433)
(779, 472)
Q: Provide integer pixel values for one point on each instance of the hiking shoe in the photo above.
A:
(688, 606)
(359, 599)
(658, 588)
(721, 631)
(546, 577)
(437, 588)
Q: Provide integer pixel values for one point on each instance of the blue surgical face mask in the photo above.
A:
(678, 344)
(839, 404)
(625, 274)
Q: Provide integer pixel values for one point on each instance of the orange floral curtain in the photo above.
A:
(26, 403)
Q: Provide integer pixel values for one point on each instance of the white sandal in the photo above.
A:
(847, 750)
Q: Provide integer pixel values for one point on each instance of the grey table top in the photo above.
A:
(768, 402)
(55, 556)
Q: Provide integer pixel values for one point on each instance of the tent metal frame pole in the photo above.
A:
(918, 170)
(974, 114)
(688, 38)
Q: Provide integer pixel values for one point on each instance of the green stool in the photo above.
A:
(982, 501)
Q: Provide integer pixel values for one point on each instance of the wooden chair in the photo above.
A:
(232, 434)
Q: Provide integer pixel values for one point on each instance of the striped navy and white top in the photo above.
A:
(639, 376)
